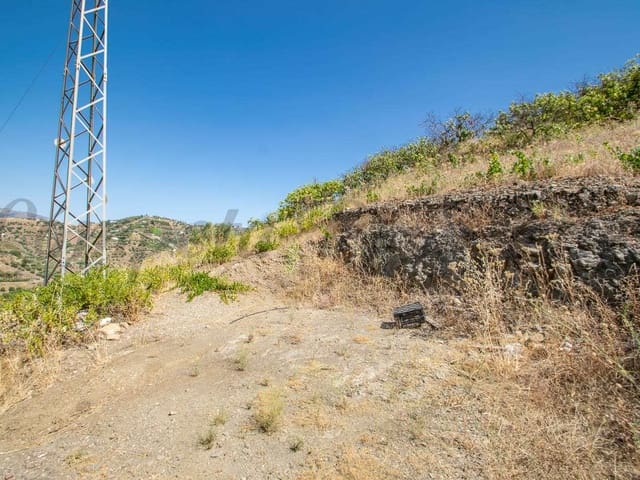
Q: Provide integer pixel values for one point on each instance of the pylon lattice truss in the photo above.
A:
(77, 226)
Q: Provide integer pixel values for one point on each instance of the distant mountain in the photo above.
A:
(23, 243)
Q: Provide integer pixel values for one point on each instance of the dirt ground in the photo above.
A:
(262, 388)
(138, 407)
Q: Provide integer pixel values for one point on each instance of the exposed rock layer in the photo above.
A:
(590, 225)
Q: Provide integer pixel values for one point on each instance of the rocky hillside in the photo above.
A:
(590, 225)
(130, 240)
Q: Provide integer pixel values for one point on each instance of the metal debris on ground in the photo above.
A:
(409, 316)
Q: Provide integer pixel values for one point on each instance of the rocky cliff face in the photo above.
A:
(588, 225)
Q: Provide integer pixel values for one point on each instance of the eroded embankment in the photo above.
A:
(539, 230)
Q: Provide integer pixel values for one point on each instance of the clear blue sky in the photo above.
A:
(232, 104)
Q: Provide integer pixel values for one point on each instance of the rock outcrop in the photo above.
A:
(590, 225)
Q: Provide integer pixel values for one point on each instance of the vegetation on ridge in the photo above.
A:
(63, 311)
(614, 97)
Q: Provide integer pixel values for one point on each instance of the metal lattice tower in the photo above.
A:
(77, 228)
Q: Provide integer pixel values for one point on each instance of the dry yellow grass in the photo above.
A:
(550, 390)
(580, 153)
(268, 408)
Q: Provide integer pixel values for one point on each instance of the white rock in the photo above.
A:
(566, 346)
(105, 321)
(111, 331)
(513, 349)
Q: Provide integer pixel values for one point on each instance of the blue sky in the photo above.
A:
(231, 104)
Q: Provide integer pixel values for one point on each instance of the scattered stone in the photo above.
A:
(111, 331)
(513, 349)
(80, 326)
(537, 338)
(566, 346)
(81, 317)
(105, 321)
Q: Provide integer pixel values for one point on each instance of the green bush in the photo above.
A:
(309, 196)
(243, 241)
(372, 196)
(615, 96)
(313, 218)
(211, 233)
(266, 245)
(286, 229)
(630, 160)
(196, 283)
(424, 189)
(495, 167)
(384, 164)
(217, 254)
(523, 166)
(33, 319)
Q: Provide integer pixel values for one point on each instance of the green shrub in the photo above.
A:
(424, 189)
(383, 165)
(523, 166)
(630, 160)
(196, 283)
(217, 254)
(495, 167)
(243, 241)
(372, 196)
(313, 218)
(33, 319)
(615, 96)
(266, 245)
(211, 233)
(287, 229)
(309, 196)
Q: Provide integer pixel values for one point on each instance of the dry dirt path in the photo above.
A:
(359, 402)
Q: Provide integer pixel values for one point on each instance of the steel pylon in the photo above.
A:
(77, 225)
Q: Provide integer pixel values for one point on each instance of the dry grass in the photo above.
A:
(547, 389)
(566, 407)
(580, 153)
(21, 376)
(326, 282)
(352, 465)
(241, 360)
(267, 409)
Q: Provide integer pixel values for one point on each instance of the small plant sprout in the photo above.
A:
(220, 418)
(296, 444)
(241, 360)
(207, 440)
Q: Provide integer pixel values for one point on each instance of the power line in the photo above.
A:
(28, 89)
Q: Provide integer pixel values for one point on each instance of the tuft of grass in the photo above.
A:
(296, 444)
(267, 409)
(220, 418)
(286, 229)
(76, 457)
(538, 209)
(220, 253)
(266, 245)
(361, 339)
(208, 439)
(241, 360)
